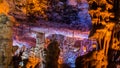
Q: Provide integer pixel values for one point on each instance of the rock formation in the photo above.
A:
(103, 13)
(6, 40)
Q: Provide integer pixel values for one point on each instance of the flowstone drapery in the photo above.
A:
(105, 20)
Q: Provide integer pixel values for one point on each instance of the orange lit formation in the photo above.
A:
(101, 15)
(32, 61)
(4, 7)
(37, 6)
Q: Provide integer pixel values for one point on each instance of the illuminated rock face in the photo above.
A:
(116, 38)
(105, 26)
(4, 6)
(100, 14)
(104, 13)
(5, 40)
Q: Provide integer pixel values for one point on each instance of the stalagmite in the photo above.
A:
(40, 45)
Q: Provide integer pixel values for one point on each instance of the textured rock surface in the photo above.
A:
(58, 11)
(6, 40)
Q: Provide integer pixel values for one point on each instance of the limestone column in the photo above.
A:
(39, 49)
(5, 40)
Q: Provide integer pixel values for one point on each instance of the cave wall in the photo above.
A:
(5, 40)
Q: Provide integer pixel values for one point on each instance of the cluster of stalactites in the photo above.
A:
(99, 11)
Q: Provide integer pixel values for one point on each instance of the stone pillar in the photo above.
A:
(5, 40)
(40, 42)
(39, 49)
